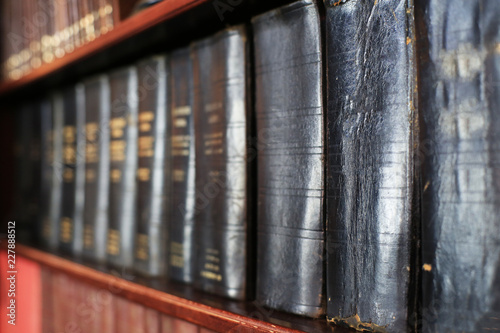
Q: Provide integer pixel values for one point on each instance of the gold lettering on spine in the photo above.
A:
(90, 175)
(117, 148)
(88, 237)
(179, 175)
(143, 174)
(146, 142)
(214, 143)
(142, 247)
(211, 267)
(211, 275)
(69, 133)
(69, 152)
(182, 111)
(213, 106)
(113, 245)
(146, 146)
(180, 122)
(91, 153)
(66, 230)
(144, 127)
(91, 130)
(68, 175)
(146, 116)
(116, 175)
(91, 149)
(176, 255)
(117, 126)
(180, 145)
(213, 119)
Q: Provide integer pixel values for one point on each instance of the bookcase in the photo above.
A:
(163, 27)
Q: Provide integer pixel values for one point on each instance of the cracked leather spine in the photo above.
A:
(371, 137)
(123, 167)
(220, 66)
(459, 95)
(290, 133)
(153, 172)
(181, 229)
(95, 215)
(73, 168)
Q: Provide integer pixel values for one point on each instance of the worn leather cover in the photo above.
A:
(73, 172)
(123, 167)
(220, 65)
(95, 215)
(290, 134)
(371, 126)
(459, 99)
(153, 172)
(180, 236)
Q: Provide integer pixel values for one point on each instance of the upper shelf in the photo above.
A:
(162, 27)
(131, 26)
(182, 301)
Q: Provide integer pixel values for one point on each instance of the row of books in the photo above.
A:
(37, 32)
(349, 167)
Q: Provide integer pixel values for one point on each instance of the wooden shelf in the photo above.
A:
(162, 27)
(134, 25)
(181, 301)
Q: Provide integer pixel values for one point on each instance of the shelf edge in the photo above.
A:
(196, 313)
(129, 27)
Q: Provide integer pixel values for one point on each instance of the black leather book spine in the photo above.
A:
(459, 98)
(123, 166)
(220, 65)
(290, 133)
(180, 242)
(153, 172)
(46, 161)
(72, 196)
(95, 215)
(50, 223)
(371, 122)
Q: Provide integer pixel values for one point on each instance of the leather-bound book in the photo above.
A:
(180, 235)
(371, 138)
(459, 97)
(95, 215)
(73, 172)
(221, 113)
(290, 164)
(153, 172)
(123, 167)
(49, 233)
